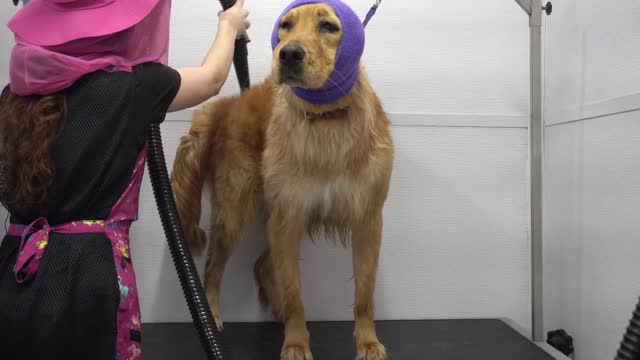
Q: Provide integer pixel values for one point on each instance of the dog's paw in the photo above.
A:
(371, 351)
(296, 352)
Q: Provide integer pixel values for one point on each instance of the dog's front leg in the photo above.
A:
(285, 235)
(366, 238)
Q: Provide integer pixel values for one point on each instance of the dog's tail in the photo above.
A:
(190, 171)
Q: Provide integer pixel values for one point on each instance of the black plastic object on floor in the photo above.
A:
(561, 341)
(630, 346)
(405, 340)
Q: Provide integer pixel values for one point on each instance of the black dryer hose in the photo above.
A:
(183, 261)
(630, 345)
(189, 280)
(240, 55)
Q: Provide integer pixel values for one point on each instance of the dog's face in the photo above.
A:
(309, 39)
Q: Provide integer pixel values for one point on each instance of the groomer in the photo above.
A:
(86, 78)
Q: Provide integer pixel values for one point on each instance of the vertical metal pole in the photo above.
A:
(536, 145)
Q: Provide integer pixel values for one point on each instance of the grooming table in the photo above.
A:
(404, 340)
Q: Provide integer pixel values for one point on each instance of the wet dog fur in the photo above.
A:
(317, 170)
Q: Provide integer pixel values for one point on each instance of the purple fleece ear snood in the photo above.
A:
(347, 64)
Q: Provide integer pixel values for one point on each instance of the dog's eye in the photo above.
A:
(329, 27)
(285, 25)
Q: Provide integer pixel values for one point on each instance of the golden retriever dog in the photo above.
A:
(317, 170)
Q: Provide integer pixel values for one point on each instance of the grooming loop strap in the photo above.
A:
(371, 12)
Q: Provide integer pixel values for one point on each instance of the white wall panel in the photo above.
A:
(455, 238)
(592, 193)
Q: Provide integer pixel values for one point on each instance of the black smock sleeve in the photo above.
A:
(157, 86)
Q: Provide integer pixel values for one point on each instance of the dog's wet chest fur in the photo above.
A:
(316, 173)
(329, 198)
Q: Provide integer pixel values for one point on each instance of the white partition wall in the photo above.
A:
(592, 181)
(454, 76)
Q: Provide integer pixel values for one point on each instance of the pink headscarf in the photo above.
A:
(40, 70)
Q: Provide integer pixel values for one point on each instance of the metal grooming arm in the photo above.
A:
(534, 9)
(629, 348)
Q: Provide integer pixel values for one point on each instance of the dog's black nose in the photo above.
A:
(292, 54)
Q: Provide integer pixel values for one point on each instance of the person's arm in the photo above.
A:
(199, 84)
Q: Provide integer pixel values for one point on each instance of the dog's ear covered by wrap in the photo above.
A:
(350, 50)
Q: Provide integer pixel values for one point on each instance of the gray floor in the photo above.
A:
(405, 340)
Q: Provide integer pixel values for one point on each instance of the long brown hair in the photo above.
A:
(29, 127)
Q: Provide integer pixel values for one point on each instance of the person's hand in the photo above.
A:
(198, 84)
(237, 17)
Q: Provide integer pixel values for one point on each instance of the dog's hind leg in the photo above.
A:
(225, 233)
(188, 178)
(235, 203)
(366, 241)
(223, 239)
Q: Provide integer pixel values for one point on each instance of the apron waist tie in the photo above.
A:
(34, 240)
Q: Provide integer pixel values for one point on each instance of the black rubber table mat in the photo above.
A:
(404, 340)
